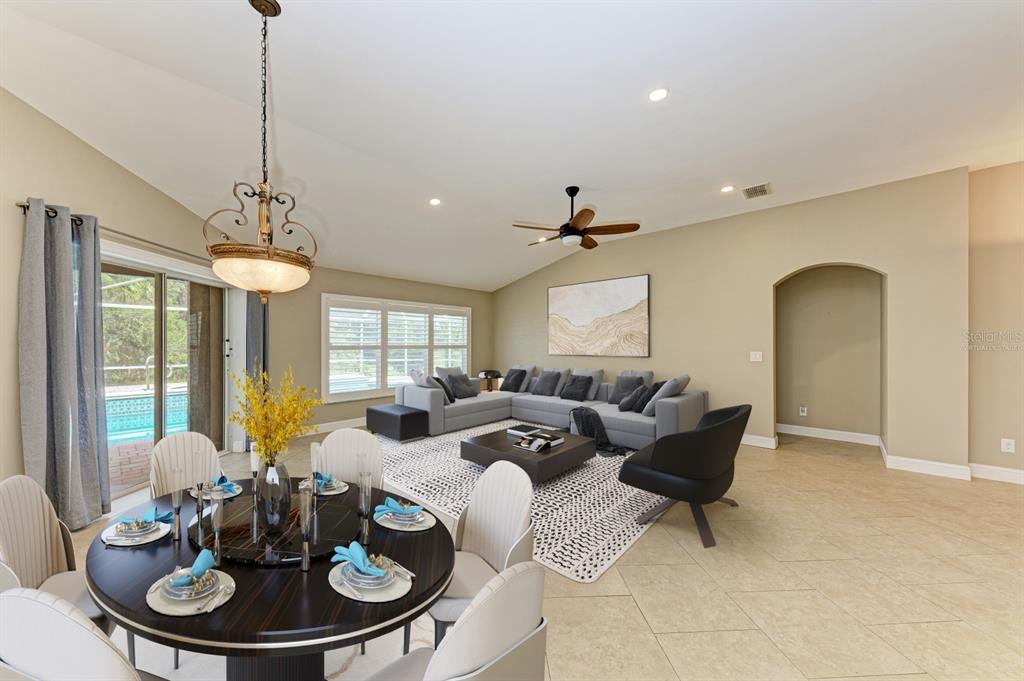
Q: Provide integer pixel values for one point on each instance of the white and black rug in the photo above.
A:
(583, 520)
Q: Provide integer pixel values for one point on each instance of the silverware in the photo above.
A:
(400, 569)
(353, 592)
(156, 586)
(229, 591)
(208, 599)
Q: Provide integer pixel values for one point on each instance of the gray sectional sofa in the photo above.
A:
(626, 429)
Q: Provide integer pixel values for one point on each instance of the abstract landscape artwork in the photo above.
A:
(608, 318)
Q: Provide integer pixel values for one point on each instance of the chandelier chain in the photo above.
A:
(263, 96)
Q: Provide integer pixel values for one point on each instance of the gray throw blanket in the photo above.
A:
(587, 422)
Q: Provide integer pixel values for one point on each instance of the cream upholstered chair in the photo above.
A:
(493, 532)
(337, 455)
(45, 637)
(181, 460)
(36, 550)
(500, 635)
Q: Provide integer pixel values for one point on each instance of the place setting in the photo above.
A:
(366, 578)
(328, 486)
(403, 516)
(221, 486)
(147, 528)
(195, 590)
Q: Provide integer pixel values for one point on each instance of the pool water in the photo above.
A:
(130, 418)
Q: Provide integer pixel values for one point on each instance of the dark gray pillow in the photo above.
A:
(671, 388)
(631, 399)
(529, 369)
(576, 388)
(461, 386)
(513, 380)
(624, 385)
(646, 397)
(449, 396)
(562, 378)
(598, 376)
(547, 383)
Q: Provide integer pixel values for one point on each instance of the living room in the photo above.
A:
(773, 319)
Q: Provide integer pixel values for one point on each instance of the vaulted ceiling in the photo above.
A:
(494, 108)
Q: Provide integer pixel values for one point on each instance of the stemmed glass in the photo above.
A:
(176, 503)
(216, 503)
(306, 496)
(199, 488)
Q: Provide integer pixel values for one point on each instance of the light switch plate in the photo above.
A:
(803, 410)
(1008, 446)
(756, 356)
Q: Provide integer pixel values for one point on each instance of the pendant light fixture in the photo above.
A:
(261, 267)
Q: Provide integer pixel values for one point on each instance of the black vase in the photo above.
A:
(273, 498)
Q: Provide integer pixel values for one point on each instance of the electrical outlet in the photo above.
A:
(1008, 446)
(803, 410)
(756, 356)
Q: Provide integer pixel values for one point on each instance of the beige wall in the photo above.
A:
(295, 326)
(712, 291)
(828, 349)
(997, 304)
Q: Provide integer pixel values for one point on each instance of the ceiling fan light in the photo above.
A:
(571, 240)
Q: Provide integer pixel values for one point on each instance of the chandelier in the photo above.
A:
(261, 267)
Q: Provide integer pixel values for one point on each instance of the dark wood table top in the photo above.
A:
(540, 466)
(274, 611)
(500, 441)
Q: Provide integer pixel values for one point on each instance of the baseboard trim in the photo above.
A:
(760, 441)
(338, 425)
(829, 434)
(927, 466)
(998, 473)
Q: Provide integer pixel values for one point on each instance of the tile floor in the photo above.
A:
(832, 567)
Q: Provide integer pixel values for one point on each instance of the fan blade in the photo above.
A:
(588, 242)
(613, 229)
(540, 227)
(544, 241)
(583, 217)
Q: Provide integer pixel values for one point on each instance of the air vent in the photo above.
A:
(757, 190)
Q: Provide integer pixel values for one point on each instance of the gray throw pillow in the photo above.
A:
(576, 388)
(444, 372)
(529, 369)
(513, 380)
(449, 396)
(563, 376)
(647, 376)
(461, 386)
(624, 385)
(596, 374)
(646, 397)
(631, 399)
(424, 381)
(546, 384)
(672, 387)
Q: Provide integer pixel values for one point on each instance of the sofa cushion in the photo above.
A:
(646, 397)
(461, 386)
(629, 401)
(647, 376)
(482, 402)
(624, 385)
(424, 381)
(577, 388)
(551, 404)
(449, 396)
(628, 421)
(596, 374)
(672, 387)
(563, 376)
(546, 384)
(514, 381)
(529, 369)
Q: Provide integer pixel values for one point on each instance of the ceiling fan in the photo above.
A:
(577, 231)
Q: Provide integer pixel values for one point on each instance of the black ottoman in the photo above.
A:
(397, 421)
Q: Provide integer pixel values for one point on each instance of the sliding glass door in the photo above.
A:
(163, 366)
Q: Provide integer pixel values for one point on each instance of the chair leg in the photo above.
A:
(362, 648)
(729, 502)
(440, 629)
(131, 647)
(703, 528)
(406, 638)
(177, 658)
(645, 518)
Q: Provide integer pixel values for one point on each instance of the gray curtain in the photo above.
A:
(60, 362)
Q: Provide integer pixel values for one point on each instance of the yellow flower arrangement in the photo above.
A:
(272, 416)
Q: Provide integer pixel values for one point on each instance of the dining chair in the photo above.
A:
(500, 635)
(180, 460)
(36, 550)
(492, 533)
(46, 637)
(338, 455)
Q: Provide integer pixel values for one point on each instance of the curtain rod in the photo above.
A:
(77, 221)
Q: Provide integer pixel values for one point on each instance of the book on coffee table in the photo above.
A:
(522, 430)
(540, 441)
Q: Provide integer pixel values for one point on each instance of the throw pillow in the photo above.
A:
(461, 386)
(444, 372)
(672, 387)
(596, 374)
(529, 369)
(647, 376)
(424, 381)
(631, 399)
(646, 397)
(514, 380)
(577, 388)
(449, 396)
(563, 376)
(547, 383)
(624, 385)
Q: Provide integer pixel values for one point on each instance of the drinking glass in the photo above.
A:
(216, 505)
(176, 503)
(306, 496)
(365, 495)
(199, 489)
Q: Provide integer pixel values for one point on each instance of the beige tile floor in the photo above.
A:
(832, 567)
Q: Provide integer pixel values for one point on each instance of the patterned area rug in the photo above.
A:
(583, 520)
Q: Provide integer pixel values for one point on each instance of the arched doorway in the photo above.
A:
(830, 353)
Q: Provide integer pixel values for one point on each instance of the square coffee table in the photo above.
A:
(540, 466)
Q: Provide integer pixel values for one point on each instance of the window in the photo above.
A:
(371, 345)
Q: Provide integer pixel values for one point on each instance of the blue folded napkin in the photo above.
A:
(391, 505)
(204, 561)
(323, 481)
(225, 484)
(150, 516)
(356, 555)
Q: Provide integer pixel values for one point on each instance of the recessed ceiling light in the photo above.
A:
(658, 95)
(543, 238)
(435, 202)
(727, 188)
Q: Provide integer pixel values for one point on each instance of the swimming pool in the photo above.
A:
(130, 418)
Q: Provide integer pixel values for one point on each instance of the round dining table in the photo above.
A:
(280, 620)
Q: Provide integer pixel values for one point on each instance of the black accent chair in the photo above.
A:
(696, 466)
